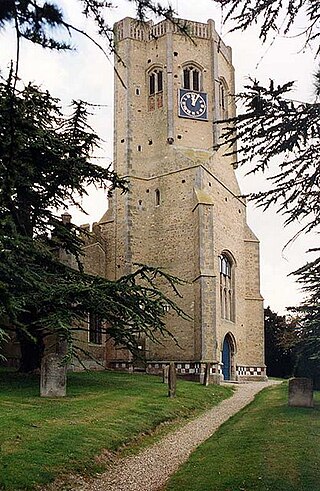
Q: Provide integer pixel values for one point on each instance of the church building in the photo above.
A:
(184, 212)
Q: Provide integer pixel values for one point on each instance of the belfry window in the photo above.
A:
(226, 288)
(191, 78)
(155, 82)
(152, 83)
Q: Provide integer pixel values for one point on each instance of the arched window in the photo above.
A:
(157, 197)
(223, 99)
(226, 287)
(95, 329)
(191, 78)
(155, 82)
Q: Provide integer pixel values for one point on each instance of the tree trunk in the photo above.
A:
(31, 353)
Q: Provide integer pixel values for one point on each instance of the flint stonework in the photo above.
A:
(184, 211)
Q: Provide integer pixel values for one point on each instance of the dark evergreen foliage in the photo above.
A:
(273, 16)
(274, 129)
(279, 356)
(282, 135)
(35, 20)
(44, 163)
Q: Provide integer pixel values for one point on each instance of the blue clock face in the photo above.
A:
(192, 104)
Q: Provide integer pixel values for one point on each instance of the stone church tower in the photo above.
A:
(184, 212)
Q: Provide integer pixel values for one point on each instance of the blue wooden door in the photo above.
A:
(226, 359)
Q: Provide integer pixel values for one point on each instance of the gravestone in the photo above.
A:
(53, 378)
(172, 382)
(165, 374)
(300, 392)
(206, 375)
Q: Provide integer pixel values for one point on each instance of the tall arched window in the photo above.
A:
(191, 78)
(226, 287)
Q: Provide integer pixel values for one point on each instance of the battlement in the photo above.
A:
(146, 31)
(130, 28)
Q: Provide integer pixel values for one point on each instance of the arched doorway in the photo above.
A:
(228, 351)
(226, 359)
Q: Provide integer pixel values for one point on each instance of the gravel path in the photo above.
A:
(150, 469)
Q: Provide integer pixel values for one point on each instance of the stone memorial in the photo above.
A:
(206, 375)
(165, 375)
(172, 381)
(53, 378)
(300, 392)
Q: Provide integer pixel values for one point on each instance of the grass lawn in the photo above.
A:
(42, 438)
(267, 446)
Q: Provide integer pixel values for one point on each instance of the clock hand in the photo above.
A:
(194, 98)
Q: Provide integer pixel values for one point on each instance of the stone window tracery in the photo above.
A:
(226, 287)
(191, 78)
(155, 82)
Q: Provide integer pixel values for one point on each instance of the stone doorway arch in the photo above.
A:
(228, 362)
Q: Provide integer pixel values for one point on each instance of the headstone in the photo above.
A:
(53, 378)
(172, 382)
(300, 392)
(165, 374)
(206, 375)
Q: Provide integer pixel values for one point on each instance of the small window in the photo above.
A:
(186, 78)
(155, 82)
(223, 99)
(191, 78)
(195, 80)
(138, 91)
(95, 329)
(158, 197)
(152, 84)
(160, 81)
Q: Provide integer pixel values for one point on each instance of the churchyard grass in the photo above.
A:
(42, 438)
(267, 446)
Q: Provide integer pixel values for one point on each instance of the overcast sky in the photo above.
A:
(86, 74)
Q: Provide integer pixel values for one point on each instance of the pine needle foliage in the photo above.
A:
(42, 22)
(45, 161)
(278, 134)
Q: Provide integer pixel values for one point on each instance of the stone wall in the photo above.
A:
(184, 207)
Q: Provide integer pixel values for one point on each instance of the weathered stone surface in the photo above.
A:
(184, 208)
(172, 386)
(165, 375)
(300, 392)
(206, 375)
(53, 379)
